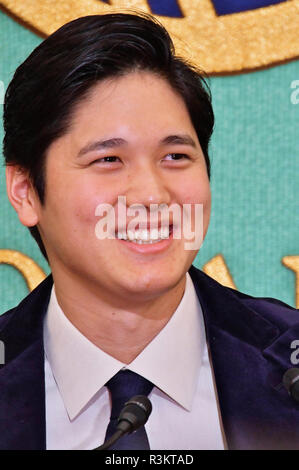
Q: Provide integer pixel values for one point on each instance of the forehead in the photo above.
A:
(139, 100)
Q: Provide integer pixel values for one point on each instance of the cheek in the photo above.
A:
(197, 191)
(77, 201)
(90, 210)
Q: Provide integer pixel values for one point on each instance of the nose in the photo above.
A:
(146, 185)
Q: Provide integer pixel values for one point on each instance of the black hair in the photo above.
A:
(59, 73)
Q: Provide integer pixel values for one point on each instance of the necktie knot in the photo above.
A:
(123, 386)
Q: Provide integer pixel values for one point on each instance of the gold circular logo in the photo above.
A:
(218, 43)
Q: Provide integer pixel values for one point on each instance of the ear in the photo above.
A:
(22, 195)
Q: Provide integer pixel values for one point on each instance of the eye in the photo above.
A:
(176, 156)
(106, 160)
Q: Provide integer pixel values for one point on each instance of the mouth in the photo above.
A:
(145, 236)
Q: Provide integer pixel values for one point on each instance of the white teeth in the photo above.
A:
(144, 236)
(143, 242)
(164, 232)
(121, 235)
(154, 234)
(131, 235)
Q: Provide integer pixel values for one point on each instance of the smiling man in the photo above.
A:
(103, 109)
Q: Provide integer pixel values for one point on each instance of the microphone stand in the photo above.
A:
(110, 441)
(134, 414)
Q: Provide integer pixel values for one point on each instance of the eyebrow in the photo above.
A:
(179, 139)
(102, 145)
(183, 139)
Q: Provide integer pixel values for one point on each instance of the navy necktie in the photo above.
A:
(123, 386)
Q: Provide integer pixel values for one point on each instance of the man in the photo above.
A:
(101, 112)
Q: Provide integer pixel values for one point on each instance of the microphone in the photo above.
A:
(134, 414)
(291, 382)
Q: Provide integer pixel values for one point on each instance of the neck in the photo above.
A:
(121, 329)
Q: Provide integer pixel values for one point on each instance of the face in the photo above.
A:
(133, 137)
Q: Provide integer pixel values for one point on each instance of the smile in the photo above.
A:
(145, 242)
(144, 236)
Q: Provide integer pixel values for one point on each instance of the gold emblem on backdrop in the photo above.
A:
(292, 262)
(218, 44)
(30, 270)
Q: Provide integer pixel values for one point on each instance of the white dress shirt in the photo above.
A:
(185, 411)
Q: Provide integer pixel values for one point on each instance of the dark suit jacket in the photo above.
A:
(249, 343)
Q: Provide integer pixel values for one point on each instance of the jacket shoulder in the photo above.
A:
(29, 307)
(274, 310)
(5, 317)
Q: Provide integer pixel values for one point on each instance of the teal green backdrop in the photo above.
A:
(255, 176)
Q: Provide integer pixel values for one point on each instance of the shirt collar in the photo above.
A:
(171, 361)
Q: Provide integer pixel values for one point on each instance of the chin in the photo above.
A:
(153, 284)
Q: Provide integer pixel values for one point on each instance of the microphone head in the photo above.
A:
(291, 382)
(135, 412)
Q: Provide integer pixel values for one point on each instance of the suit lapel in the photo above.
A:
(22, 382)
(249, 355)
